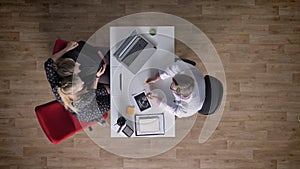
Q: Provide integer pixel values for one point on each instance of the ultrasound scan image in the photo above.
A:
(142, 101)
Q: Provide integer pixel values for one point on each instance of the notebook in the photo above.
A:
(149, 124)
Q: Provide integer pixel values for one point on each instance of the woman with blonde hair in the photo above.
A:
(86, 103)
(70, 90)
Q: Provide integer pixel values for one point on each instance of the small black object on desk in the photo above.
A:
(121, 122)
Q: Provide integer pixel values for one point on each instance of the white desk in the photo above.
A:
(124, 83)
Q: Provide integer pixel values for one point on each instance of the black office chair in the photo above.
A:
(214, 95)
(187, 61)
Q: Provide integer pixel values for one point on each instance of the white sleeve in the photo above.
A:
(177, 110)
(173, 69)
(163, 76)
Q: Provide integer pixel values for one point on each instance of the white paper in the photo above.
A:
(149, 124)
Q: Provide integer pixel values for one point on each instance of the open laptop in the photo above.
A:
(135, 50)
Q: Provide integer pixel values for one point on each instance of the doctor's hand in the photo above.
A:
(152, 80)
(153, 98)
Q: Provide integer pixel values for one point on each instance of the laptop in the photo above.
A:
(135, 50)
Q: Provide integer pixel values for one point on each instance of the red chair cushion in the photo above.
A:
(55, 121)
(59, 45)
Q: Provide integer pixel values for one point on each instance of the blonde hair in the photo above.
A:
(185, 84)
(64, 67)
(70, 91)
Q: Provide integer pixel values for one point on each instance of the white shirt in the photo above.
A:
(191, 105)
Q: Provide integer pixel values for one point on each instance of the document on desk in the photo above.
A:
(149, 124)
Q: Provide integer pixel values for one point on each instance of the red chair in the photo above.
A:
(57, 122)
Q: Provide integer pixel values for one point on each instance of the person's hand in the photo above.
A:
(101, 70)
(149, 81)
(102, 56)
(153, 98)
(149, 95)
(71, 45)
(152, 80)
(98, 74)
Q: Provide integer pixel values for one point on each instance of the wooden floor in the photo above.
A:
(257, 40)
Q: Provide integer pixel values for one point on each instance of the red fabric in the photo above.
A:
(59, 45)
(55, 121)
(105, 116)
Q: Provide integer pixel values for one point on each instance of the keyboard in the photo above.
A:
(135, 51)
(124, 46)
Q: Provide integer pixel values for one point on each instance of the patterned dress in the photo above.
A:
(92, 105)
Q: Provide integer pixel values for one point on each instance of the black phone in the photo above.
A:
(127, 131)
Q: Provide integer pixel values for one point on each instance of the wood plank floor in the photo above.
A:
(258, 42)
